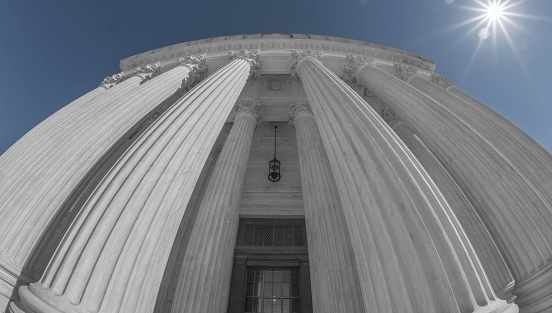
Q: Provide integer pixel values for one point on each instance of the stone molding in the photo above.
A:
(252, 57)
(299, 107)
(328, 44)
(355, 63)
(442, 81)
(111, 81)
(299, 56)
(403, 72)
(148, 72)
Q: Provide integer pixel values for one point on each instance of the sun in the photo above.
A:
(495, 10)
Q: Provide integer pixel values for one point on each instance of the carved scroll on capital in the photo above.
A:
(197, 66)
(353, 63)
(111, 81)
(252, 57)
(442, 81)
(148, 72)
(403, 72)
(248, 106)
(390, 117)
(300, 56)
(297, 108)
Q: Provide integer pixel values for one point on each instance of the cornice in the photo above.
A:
(274, 43)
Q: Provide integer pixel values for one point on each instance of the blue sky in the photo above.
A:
(55, 51)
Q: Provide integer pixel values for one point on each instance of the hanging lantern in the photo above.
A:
(274, 164)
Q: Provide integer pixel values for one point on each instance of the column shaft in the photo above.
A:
(114, 255)
(408, 254)
(515, 212)
(496, 270)
(335, 285)
(207, 265)
(35, 186)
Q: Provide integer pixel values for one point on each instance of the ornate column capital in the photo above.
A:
(300, 56)
(353, 63)
(252, 57)
(148, 72)
(248, 106)
(111, 81)
(197, 66)
(298, 107)
(403, 72)
(390, 117)
(442, 81)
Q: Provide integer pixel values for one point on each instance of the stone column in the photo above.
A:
(517, 215)
(38, 177)
(492, 261)
(334, 281)
(508, 127)
(408, 253)
(114, 254)
(204, 281)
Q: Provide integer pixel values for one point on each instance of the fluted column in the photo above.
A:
(207, 265)
(39, 174)
(492, 261)
(516, 213)
(334, 281)
(115, 252)
(508, 127)
(407, 250)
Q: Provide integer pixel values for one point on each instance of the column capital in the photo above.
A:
(299, 107)
(111, 81)
(390, 117)
(252, 57)
(248, 106)
(148, 72)
(403, 72)
(194, 62)
(442, 81)
(300, 56)
(197, 66)
(353, 63)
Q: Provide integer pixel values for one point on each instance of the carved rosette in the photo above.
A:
(111, 81)
(250, 107)
(300, 56)
(297, 108)
(389, 117)
(148, 72)
(252, 57)
(353, 63)
(197, 66)
(442, 81)
(403, 72)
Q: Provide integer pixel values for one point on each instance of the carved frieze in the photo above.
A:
(442, 81)
(403, 72)
(111, 81)
(252, 57)
(148, 72)
(353, 64)
(300, 56)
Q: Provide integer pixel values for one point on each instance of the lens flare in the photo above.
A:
(484, 33)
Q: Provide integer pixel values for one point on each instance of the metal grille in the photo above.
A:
(272, 232)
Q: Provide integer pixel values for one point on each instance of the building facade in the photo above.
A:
(394, 191)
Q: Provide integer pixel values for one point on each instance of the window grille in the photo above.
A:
(272, 232)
